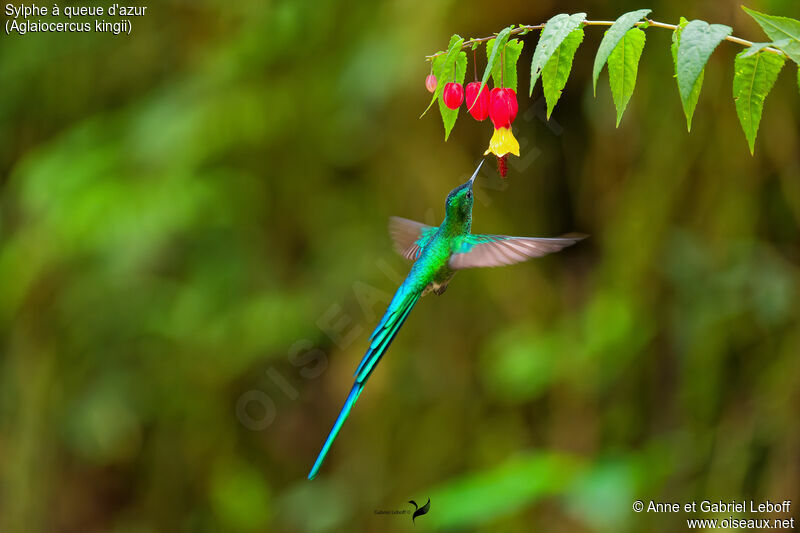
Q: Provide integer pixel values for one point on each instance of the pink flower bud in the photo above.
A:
(430, 83)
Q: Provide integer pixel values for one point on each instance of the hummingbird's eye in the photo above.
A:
(469, 195)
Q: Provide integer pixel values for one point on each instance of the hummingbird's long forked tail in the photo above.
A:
(343, 414)
(401, 305)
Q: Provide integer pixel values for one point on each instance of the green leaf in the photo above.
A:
(554, 32)
(778, 29)
(449, 116)
(753, 78)
(690, 103)
(698, 39)
(445, 72)
(504, 73)
(757, 47)
(556, 70)
(494, 55)
(611, 38)
(623, 63)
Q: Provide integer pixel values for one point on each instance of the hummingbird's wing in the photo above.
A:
(476, 250)
(409, 236)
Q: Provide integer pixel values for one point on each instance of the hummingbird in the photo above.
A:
(438, 253)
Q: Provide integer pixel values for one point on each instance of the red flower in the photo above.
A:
(503, 107)
(453, 95)
(503, 110)
(480, 109)
(430, 83)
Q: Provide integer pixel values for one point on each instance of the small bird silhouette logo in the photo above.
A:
(419, 511)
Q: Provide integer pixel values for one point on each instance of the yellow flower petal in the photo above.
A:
(502, 143)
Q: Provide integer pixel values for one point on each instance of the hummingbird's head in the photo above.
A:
(458, 205)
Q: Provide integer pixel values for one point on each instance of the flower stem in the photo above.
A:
(502, 67)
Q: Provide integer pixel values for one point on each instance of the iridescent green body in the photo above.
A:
(433, 266)
(438, 253)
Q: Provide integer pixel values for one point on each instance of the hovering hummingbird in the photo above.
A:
(438, 253)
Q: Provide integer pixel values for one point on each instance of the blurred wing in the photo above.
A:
(409, 237)
(497, 250)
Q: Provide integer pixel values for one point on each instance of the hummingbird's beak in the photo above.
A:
(472, 179)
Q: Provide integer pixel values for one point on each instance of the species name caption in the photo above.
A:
(27, 18)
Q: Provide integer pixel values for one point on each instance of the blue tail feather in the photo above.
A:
(348, 405)
(380, 340)
(376, 351)
(387, 328)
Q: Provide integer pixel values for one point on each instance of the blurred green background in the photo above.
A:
(194, 251)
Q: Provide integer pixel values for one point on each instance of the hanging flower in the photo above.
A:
(478, 109)
(453, 95)
(503, 109)
(430, 83)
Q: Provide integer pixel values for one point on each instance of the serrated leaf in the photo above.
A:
(557, 69)
(611, 38)
(445, 71)
(778, 29)
(757, 47)
(623, 64)
(690, 103)
(753, 78)
(504, 73)
(493, 55)
(554, 32)
(698, 40)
